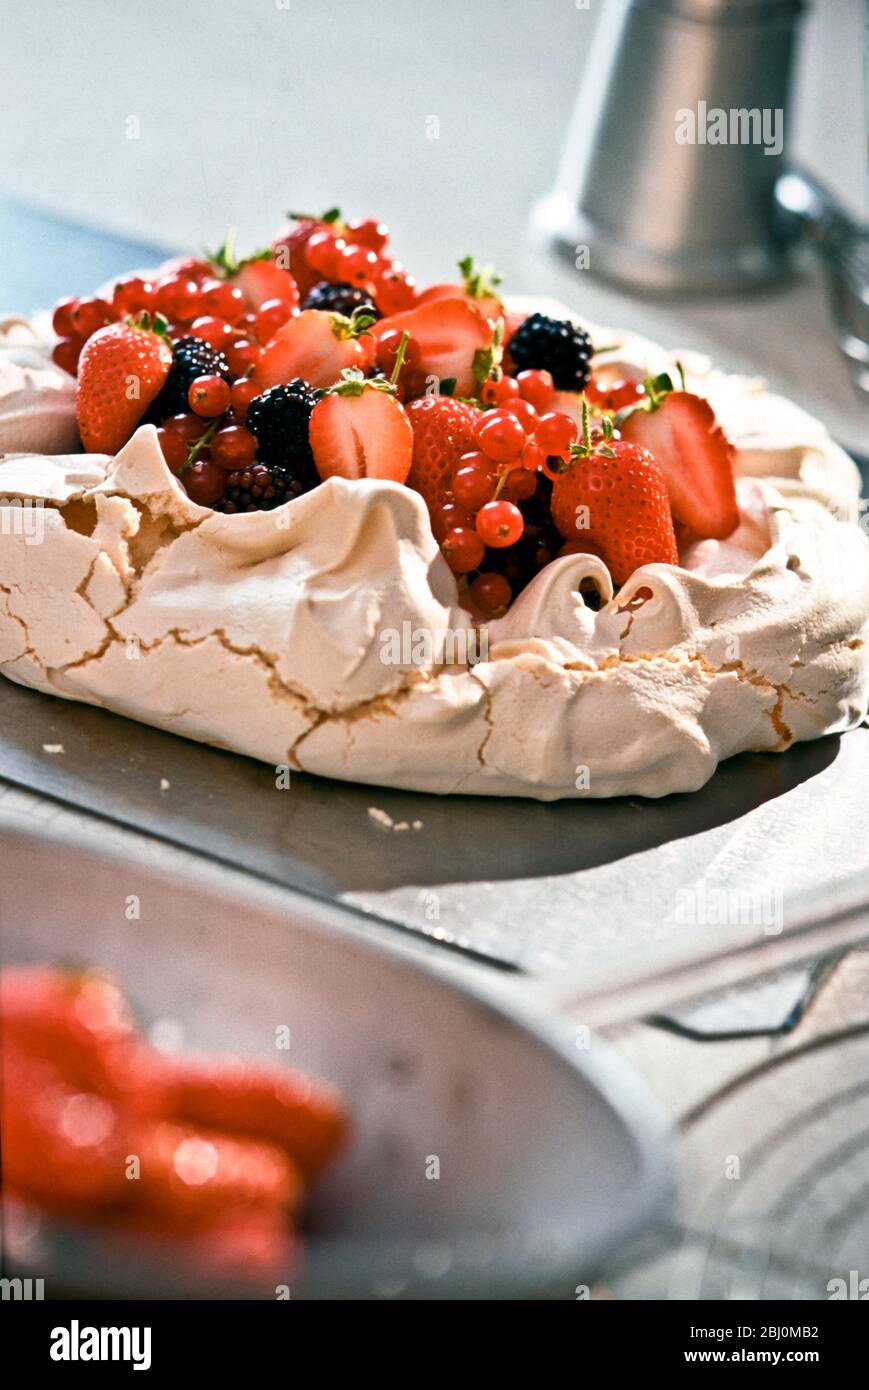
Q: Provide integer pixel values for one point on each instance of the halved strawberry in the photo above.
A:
(261, 279)
(443, 430)
(121, 370)
(260, 276)
(317, 347)
(359, 430)
(452, 340)
(478, 288)
(695, 457)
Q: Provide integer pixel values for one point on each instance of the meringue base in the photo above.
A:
(327, 636)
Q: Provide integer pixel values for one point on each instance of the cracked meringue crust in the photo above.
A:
(266, 633)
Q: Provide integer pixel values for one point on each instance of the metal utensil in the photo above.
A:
(548, 1155)
(807, 209)
(646, 185)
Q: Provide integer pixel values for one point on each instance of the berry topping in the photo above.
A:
(443, 430)
(316, 346)
(500, 435)
(613, 496)
(192, 357)
(463, 549)
(280, 419)
(209, 396)
(262, 487)
(537, 387)
(500, 524)
(453, 342)
(359, 430)
(479, 285)
(491, 594)
(340, 298)
(693, 453)
(558, 346)
(121, 371)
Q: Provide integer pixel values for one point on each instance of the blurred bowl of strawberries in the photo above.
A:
(215, 1087)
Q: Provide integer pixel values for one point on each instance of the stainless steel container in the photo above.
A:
(677, 139)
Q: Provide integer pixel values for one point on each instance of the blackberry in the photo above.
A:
(261, 487)
(279, 418)
(339, 299)
(191, 357)
(553, 345)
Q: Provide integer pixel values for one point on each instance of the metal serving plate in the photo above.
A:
(550, 1154)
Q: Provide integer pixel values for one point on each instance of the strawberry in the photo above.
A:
(315, 346)
(121, 370)
(77, 1019)
(359, 430)
(278, 1106)
(260, 279)
(189, 1176)
(694, 455)
(450, 340)
(477, 287)
(443, 429)
(619, 494)
(63, 1145)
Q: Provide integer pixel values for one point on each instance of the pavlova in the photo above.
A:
(293, 506)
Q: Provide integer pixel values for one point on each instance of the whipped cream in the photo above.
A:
(266, 632)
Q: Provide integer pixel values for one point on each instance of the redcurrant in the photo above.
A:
(61, 319)
(449, 517)
(209, 395)
(500, 524)
(555, 433)
(132, 295)
(519, 485)
(473, 482)
(233, 447)
(242, 355)
(241, 394)
(536, 387)
(223, 300)
(500, 435)
(524, 413)
(179, 298)
(463, 549)
(66, 354)
(204, 482)
(215, 331)
(270, 316)
(369, 232)
(492, 594)
(89, 315)
(174, 448)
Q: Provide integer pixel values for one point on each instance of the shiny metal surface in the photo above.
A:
(653, 213)
(550, 1153)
